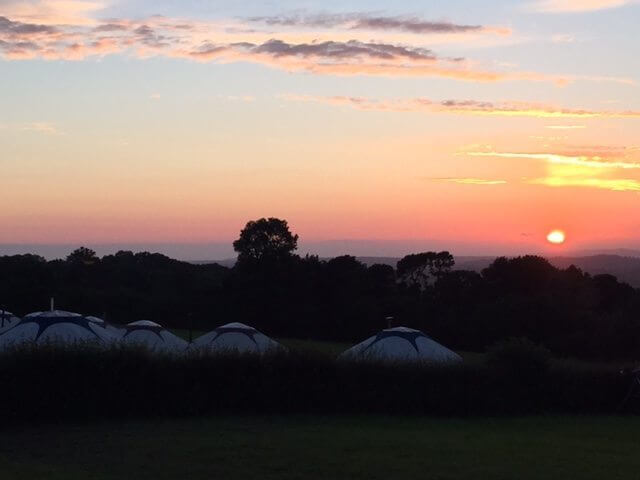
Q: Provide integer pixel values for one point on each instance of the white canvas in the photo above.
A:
(236, 337)
(401, 344)
(153, 336)
(7, 320)
(53, 327)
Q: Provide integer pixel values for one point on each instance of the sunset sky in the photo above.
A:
(373, 127)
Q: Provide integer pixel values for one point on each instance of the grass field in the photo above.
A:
(328, 448)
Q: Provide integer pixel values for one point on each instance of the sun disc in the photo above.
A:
(557, 237)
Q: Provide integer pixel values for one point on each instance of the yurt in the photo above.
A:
(152, 336)
(236, 337)
(112, 330)
(56, 326)
(401, 344)
(7, 320)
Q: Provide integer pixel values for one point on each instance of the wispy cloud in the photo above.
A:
(38, 127)
(24, 38)
(462, 107)
(52, 12)
(470, 181)
(569, 6)
(352, 58)
(563, 38)
(566, 127)
(238, 98)
(365, 21)
(590, 170)
(45, 128)
(591, 161)
(616, 185)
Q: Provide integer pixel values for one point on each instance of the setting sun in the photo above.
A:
(557, 237)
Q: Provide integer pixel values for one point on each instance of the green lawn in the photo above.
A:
(328, 448)
(184, 333)
(332, 349)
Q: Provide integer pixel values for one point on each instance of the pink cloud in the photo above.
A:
(463, 107)
(178, 38)
(568, 6)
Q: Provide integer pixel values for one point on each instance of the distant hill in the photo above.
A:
(621, 252)
(227, 262)
(625, 267)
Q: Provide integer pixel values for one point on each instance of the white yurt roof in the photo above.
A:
(56, 326)
(401, 344)
(144, 323)
(236, 337)
(7, 320)
(110, 329)
(152, 336)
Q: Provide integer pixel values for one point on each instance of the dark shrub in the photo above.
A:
(51, 384)
(519, 358)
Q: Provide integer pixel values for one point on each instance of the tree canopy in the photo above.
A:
(265, 240)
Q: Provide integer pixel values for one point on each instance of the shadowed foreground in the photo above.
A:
(312, 447)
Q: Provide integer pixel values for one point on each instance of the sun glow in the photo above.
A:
(556, 237)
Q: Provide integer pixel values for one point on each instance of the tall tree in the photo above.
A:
(83, 255)
(265, 240)
(418, 269)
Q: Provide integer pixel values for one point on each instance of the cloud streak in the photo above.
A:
(588, 170)
(574, 6)
(22, 38)
(159, 36)
(52, 12)
(462, 107)
(590, 161)
(615, 185)
(363, 21)
(470, 181)
(45, 128)
(566, 127)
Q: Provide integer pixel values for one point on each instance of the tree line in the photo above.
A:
(272, 288)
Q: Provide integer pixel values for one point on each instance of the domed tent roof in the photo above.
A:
(152, 336)
(7, 320)
(236, 337)
(113, 330)
(401, 344)
(56, 326)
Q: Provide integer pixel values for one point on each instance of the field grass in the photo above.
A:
(332, 349)
(328, 448)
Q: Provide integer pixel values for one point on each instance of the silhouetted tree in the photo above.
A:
(416, 269)
(382, 278)
(265, 240)
(441, 263)
(83, 255)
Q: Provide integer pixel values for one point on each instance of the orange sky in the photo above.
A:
(482, 131)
